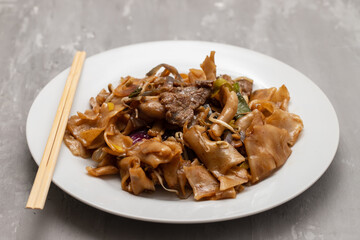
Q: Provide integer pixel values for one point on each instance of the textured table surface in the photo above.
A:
(38, 39)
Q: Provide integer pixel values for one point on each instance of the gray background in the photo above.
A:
(319, 38)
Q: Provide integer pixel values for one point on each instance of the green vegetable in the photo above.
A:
(217, 85)
(236, 87)
(242, 107)
(135, 93)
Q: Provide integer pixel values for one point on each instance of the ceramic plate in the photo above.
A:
(311, 155)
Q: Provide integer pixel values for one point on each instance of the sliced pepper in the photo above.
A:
(217, 85)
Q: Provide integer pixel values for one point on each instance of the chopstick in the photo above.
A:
(46, 169)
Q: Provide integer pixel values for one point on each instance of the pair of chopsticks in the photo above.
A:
(46, 169)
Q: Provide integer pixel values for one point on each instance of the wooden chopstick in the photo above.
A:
(46, 169)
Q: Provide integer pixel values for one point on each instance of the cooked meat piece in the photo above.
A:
(245, 85)
(180, 103)
(204, 83)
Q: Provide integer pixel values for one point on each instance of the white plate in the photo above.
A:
(311, 155)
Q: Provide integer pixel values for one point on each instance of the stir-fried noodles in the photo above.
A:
(197, 132)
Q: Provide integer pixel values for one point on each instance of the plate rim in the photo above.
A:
(215, 219)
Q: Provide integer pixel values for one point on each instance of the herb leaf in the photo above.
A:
(135, 93)
(242, 107)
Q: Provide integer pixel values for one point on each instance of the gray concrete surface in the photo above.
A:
(39, 37)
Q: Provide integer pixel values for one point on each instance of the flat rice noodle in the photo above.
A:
(239, 188)
(288, 121)
(170, 173)
(263, 94)
(133, 124)
(217, 156)
(204, 185)
(102, 171)
(154, 152)
(202, 115)
(86, 131)
(94, 104)
(247, 122)
(98, 155)
(122, 120)
(124, 165)
(281, 98)
(182, 177)
(168, 69)
(98, 142)
(102, 96)
(75, 146)
(230, 103)
(139, 181)
(110, 151)
(89, 115)
(157, 129)
(264, 106)
(133, 177)
(174, 174)
(209, 67)
(115, 100)
(267, 150)
(107, 161)
(115, 140)
(196, 75)
(91, 134)
(228, 193)
(127, 86)
(234, 177)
